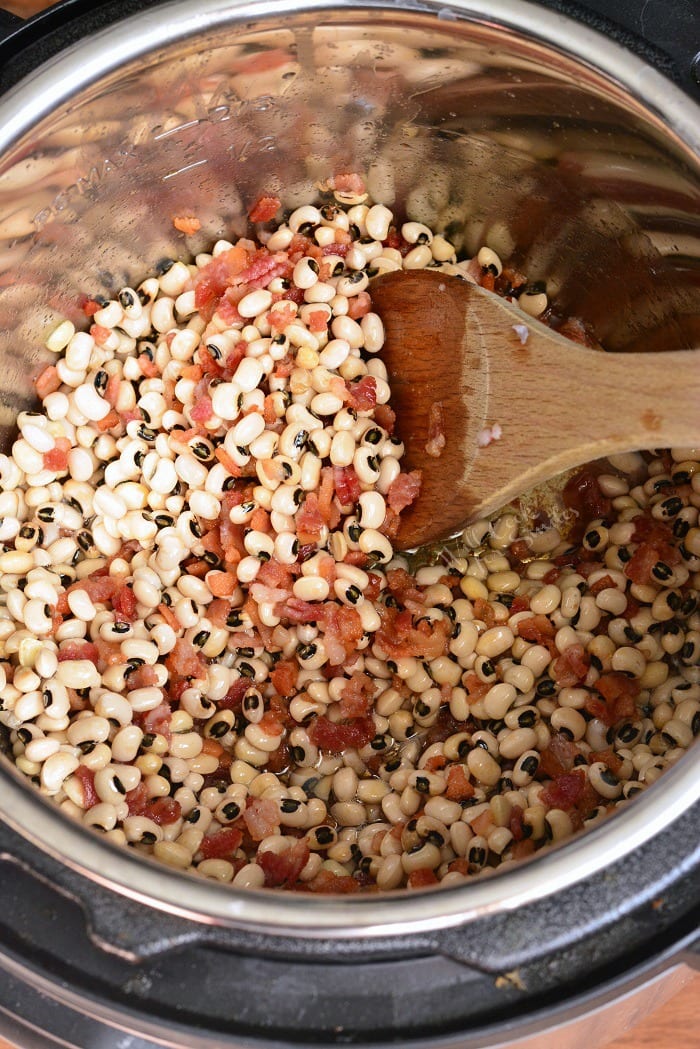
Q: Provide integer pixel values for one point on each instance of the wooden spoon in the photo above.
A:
(494, 372)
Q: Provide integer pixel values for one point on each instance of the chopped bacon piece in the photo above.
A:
(385, 417)
(187, 224)
(604, 583)
(221, 844)
(537, 629)
(565, 791)
(234, 697)
(347, 485)
(185, 661)
(124, 604)
(309, 520)
(436, 442)
(87, 783)
(571, 667)
(202, 409)
(362, 395)
(356, 695)
(284, 677)
(261, 817)
(264, 209)
(331, 736)
(327, 882)
(347, 182)
(616, 700)
(57, 458)
(281, 317)
(78, 650)
(476, 688)
(582, 494)
(283, 868)
(558, 756)
(47, 382)
(163, 811)
(143, 677)
(404, 490)
(458, 786)
(359, 306)
(423, 878)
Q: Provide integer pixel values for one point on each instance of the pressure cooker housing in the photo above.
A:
(502, 124)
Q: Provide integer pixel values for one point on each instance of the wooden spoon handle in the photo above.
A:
(603, 403)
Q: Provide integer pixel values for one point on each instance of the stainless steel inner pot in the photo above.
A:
(492, 119)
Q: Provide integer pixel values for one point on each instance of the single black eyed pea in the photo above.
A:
(426, 855)
(603, 781)
(515, 743)
(525, 768)
(569, 722)
(483, 767)
(558, 825)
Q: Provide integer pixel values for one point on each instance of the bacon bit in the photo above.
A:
(169, 617)
(483, 823)
(90, 307)
(284, 677)
(227, 462)
(124, 604)
(582, 494)
(234, 697)
(283, 868)
(423, 878)
(185, 661)
(100, 334)
(362, 395)
(327, 882)
(558, 756)
(310, 522)
(261, 817)
(403, 587)
(337, 737)
(359, 306)
(604, 583)
(187, 224)
(385, 417)
(516, 824)
(484, 611)
(148, 367)
(57, 458)
(404, 490)
(537, 629)
(143, 677)
(458, 786)
(475, 688)
(571, 667)
(460, 866)
(264, 209)
(436, 431)
(608, 757)
(521, 603)
(202, 410)
(163, 811)
(86, 776)
(356, 695)
(347, 485)
(318, 321)
(222, 584)
(224, 843)
(346, 182)
(110, 420)
(565, 791)
(616, 700)
(193, 372)
(47, 382)
(282, 316)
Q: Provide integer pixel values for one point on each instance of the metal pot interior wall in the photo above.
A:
(480, 130)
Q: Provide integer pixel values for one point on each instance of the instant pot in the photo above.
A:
(571, 135)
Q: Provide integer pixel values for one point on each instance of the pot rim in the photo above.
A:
(662, 104)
